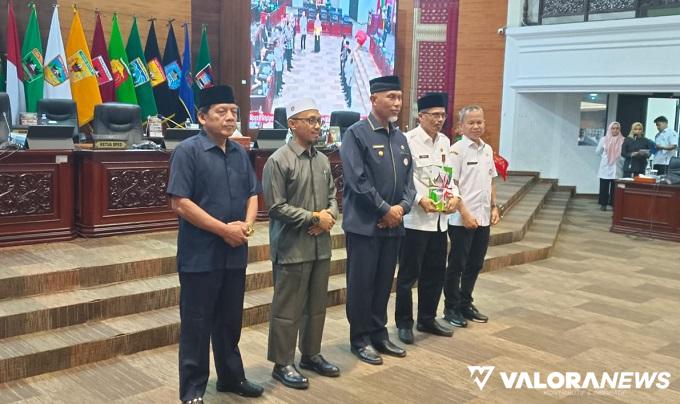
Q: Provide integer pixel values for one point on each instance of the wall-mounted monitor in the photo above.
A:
(324, 49)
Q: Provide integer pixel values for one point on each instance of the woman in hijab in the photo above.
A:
(636, 149)
(609, 148)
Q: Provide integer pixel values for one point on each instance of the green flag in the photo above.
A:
(32, 63)
(203, 75)
(122, 80)
(140, 73)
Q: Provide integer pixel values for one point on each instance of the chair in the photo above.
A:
(63, 111)
(6, 107)
(344, 119)
(113, 118)
(280, 118)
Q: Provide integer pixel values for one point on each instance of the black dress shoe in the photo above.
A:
(433, 327)
(244, 388)
(405, 335)
(197, 400)
(471, 313)
(320, 365)
(388, 348)
(367, 354)
(290, 376)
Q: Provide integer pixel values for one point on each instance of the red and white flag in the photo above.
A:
(14, 74)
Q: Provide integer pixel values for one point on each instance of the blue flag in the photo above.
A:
(186, 93)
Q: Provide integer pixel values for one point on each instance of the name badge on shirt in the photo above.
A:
(471, 163)
(424, 156)
(378, 146)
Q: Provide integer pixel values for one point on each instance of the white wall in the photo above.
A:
(547, 68)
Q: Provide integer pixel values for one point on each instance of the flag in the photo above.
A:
(57, 83)
(84, 84)
(140, 73)
(203, 76)
(186, 92)
(14, 73)
(173, 73)
(122, 81)
(32, 62)
(159, 81)
(101, 63)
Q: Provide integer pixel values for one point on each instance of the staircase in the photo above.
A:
(56, 313)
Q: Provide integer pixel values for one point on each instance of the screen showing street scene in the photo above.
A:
(324, 49)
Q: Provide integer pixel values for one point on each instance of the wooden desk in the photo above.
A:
(121, 192)
(259, 157)
(648, 209)
(36, 196)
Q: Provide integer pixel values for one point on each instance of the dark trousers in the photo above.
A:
(660, 169)
(303, 41)
(424, 261)
(371, 262)
(317, 43)
(279, 81)
(606, 196)
(299, 305)
(210, 308)
(288, 54)
(466, 259)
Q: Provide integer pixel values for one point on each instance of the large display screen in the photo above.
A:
(324, 49)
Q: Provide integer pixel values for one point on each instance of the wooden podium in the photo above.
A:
(120, 192)
(36, 196)
(647, 209)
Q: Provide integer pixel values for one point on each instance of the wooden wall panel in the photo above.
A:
(480, 60)
(162, 10)
(404, 58)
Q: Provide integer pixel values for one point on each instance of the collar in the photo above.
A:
(208, 144)
(425, 137)
(299, 150)
(376, 125)
(467, 142)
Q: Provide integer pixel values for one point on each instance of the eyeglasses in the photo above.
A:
(311, 120)
(437, 115)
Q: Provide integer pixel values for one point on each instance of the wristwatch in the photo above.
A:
(315, 219)
(250, 230)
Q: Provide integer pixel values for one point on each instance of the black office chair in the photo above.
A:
(6, 108)
(63, 111)
(673, 171)
(280, 118)
(344, 119)
(114, 118)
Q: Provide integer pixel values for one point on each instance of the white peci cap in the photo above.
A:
(300, 105)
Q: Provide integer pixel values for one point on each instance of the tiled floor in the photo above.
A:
(602, 302)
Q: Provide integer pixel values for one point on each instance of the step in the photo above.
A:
(37, 353)
(46, 312)
(514, 224)
(58, 267)
(539, 239)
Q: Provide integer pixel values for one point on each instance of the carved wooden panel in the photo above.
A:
(26, 193)
(138, 188)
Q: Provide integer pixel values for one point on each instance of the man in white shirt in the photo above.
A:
(666, 145)
(469, 228)
(424, 260)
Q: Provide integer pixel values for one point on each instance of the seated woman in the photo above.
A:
(636, 150)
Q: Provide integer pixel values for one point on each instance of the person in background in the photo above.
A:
(303, 31)
(666, 145)
(299, 191)
(278, 66)
(611, 165)
(635, 150)
(317, 34)
(213, 189)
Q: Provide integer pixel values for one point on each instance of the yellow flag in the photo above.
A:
(84, 83)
